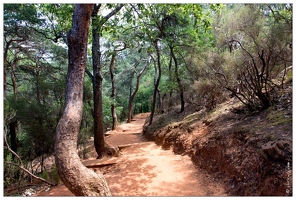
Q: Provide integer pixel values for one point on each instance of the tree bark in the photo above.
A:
(170, 80)
(99, 140)
(13, 77)
(130, 106)
(180, 86)
(6, 48)
(113, 94)
(155, 43)
(78, 179)
(13, 139)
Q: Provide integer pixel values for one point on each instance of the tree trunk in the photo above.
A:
(113, 94)
(13, 77)
(77, 178)
(37, 77)
(171, 90)
(99, 140)
(130, 97)
(13, 139)
(130, 106)
(155, 43)
(6, 48)
(180, 86)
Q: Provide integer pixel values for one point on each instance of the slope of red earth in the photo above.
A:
(250, 153)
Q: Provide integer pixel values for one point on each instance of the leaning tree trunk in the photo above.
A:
(80, 180)
(155, 43)
(180, 86)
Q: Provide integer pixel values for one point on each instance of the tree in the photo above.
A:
(180, 86)
(33, 88)
(16, 30)
(97, 28)
(113, 83)
(260, 48)
(15, 34)
(113, 93)
(132, 96)
(79, 179)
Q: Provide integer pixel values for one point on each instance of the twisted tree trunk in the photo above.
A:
(80, 180)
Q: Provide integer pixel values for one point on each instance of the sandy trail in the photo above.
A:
(145, 169)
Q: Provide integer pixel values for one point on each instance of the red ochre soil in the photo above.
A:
(145, 169)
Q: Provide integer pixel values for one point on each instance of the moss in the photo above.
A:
(194, 116)
(289, 75)
(175, 125)
(272, 137)
(277, 117)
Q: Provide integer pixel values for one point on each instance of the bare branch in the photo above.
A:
(20, 165)
(90, 75)
(113, 12)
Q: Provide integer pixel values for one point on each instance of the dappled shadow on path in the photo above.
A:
(130, 178)
(148, 170)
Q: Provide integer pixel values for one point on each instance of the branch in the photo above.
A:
(28, 172)
(96, 10)
(90, 75)
(141, 72)
(123, 48)
(136, 10)
(56, 37)
(20, 161)
(113, 12)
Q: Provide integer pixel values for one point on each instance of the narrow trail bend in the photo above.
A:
(145, 169)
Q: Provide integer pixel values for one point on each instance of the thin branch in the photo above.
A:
(90, 75)
(20, 165)
(113, 12)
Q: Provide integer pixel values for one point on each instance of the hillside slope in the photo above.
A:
(251, 153)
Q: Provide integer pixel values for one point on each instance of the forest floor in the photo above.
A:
(145, 169)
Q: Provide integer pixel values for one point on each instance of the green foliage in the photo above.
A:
(58, 20)
(107, 101)
(51, 176)
(44, 175)
(19, 13)
(11, 172)
(252, 62)
(55, 175)
(208, 94)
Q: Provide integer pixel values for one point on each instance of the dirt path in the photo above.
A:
(144, 169)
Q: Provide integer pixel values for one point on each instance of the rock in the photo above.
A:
(113, 151)
(29, 192)
(275, 150)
